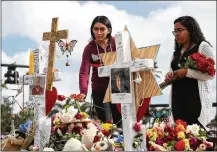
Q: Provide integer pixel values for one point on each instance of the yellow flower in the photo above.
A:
(56, 121)
(154, 136)
(181, 135)
(84, 115)
(187, 145)
(149, 132)
(106, 126)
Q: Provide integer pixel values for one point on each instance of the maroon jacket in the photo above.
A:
(90, 56)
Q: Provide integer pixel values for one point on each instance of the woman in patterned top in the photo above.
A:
(190, 97)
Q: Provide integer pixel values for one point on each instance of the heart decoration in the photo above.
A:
(51, 97)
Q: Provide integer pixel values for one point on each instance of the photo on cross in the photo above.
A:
(120, 80)
(38, 85)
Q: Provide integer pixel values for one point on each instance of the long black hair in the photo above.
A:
(196, 35)
(104, 20)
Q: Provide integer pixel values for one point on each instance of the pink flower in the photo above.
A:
(202, 147)
(159, 141)
(66, 118)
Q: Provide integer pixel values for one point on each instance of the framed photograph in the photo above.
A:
(120, 81)
(37, 86)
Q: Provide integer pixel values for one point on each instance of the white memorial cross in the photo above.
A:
(127, 100)
(42, 125)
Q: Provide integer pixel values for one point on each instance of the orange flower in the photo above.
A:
(179, 128)
(78, 96)
(183, 123)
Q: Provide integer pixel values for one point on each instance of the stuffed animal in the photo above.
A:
(102, 146)
(73, 145)
(88, 135)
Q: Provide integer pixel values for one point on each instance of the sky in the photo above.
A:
(149, 23)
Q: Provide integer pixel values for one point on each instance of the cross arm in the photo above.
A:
(135, 66)
(46, 36)
(62, 34)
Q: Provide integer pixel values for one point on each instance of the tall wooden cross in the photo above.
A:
(53, 36)
(137, 60)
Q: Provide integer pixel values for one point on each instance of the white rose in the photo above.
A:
(71, 110)
(194, 129)
(64, 111)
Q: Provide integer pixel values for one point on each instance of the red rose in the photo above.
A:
(179, 121)
(73, 96)
(106, 133)
(195, 56)
(96, 139)
(211, 61)
(137, 127)
(78, 116)
(61, 97)
(77, 129)
(180, 145)
(169, 138)
(211, 70)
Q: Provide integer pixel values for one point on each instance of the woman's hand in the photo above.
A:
(169, 76)
(83, 96)
(181, 73)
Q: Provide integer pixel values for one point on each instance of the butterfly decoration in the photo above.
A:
(66, 47)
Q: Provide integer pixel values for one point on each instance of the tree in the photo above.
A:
(6, 115)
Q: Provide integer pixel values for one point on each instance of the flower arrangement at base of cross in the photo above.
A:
(73, 130)
(178, 137)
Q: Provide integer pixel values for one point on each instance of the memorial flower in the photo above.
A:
(177, 137)
(196, 61)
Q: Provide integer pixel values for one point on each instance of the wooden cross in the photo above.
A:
(126, 56)
(53, 36)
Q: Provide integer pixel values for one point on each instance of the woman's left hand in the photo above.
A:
(181, 73)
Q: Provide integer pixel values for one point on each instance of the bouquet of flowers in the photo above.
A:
(178, 137)
(66, 124)
(196, 61)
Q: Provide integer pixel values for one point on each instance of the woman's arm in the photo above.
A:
(84, 72)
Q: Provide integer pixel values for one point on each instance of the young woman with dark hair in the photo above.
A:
(101, 42)
(190, 98)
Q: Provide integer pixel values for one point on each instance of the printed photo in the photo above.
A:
(120, 80)
(38, 86)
